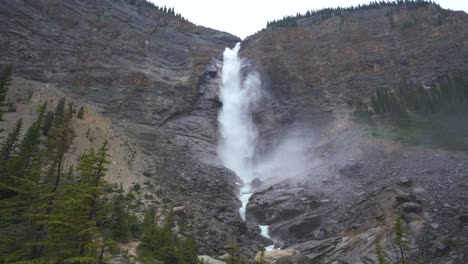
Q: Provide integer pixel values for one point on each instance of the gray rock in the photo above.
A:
(296, 227)
(410, 207)
(442, 246)
(256, 183)
(209, 260)
(351, 170)
(405, 182)
(119, 259)
(463, 218)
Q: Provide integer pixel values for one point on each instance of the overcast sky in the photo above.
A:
(245, 17)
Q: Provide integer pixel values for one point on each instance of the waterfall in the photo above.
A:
(240, 90)
(238, 93)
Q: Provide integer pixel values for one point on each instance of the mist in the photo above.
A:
(241, 93)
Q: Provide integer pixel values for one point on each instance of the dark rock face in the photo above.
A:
(279, 203)
(323, 67)
(296, 228)
(156, 76)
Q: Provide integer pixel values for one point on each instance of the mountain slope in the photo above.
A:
(322, 69)
(142, 70)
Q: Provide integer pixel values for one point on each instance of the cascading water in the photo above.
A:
(238, 93)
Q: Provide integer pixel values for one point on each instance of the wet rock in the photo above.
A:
(279, 203)
(296, 227)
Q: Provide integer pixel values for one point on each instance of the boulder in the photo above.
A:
(209, 260)
(297, 227)
(278, 256)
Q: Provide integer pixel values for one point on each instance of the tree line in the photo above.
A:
(415, 113)
(164, 9)
(320, 15)
(52, 212)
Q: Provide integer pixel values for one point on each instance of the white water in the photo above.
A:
(238, 132)
(236, 148)
(265, 231)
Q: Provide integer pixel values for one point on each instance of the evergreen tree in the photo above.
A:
(28, 148)
(59, 113)
(48, 122)
(8, 147)
(59, 141)
(5, 80)
(380, 253)
(161, 244)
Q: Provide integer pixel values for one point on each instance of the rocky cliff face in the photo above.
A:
(321, 69)
(328, 65)
(156, 77)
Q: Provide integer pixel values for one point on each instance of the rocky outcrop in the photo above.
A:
(324, 67)
(359, 185)
(156, 77)
(150, 73)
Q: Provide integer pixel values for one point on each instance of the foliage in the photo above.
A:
(400, 246)
(380, 253)
(148, 4)
(5, 80)
(323, 14)
(116, 220)
(47, 211)
(160, 245)
(235, 256)
(52, 213)
(423, 115)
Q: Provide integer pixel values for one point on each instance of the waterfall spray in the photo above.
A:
(238, 94)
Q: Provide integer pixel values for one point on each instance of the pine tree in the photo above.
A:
(234, 254)
(161, 244)
(72, 233)
(28, 148)
(5, 80)
(48, 122)
(60, 139)
(21, 196)
(380, 253)
(8, 147)
(59, 113)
